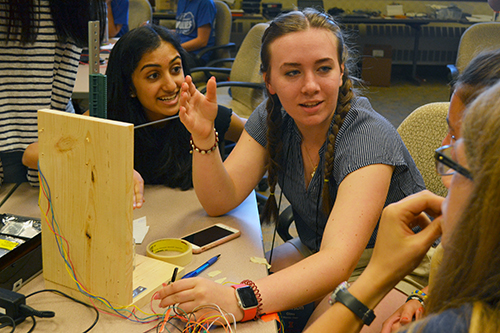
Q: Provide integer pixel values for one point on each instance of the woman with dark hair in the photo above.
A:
(336, 160)
(145, 72)
(40, 45)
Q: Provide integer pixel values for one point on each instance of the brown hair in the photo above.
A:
(470, 271)
(284, 24)
(482, 72)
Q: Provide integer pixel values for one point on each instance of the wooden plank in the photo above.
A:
(87, 166)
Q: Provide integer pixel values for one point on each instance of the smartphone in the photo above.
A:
(209, 237)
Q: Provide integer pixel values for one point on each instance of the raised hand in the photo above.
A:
(197, 111)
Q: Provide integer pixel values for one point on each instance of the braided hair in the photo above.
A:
(284, 24)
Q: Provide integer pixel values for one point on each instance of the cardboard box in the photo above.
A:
(165, 5)
(376, 65)
(395, 10)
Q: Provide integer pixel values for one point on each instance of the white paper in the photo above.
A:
(140, 229)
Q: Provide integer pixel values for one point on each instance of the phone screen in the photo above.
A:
(207, 236)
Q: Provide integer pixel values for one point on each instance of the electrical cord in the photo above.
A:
(11, 322)
(71, 298)
(28, 311)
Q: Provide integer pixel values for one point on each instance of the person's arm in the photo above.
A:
(360, 200)
(236, 128)
(138, 190)
(30, 156)
(201, 39)
(409, 311)
(219, 186)
(113, 29)
(398, 250)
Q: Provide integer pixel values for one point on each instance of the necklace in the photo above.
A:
(312, 164)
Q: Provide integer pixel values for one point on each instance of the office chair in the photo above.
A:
(475, 39)
(244, 74)
(139, 12)
(422, 132)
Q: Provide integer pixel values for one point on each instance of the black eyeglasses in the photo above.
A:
(446, 166)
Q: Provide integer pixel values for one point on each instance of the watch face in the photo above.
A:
(247, 297)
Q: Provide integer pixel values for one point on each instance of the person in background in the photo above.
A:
(117, 17)
(482, 72)
(194, 25)
(464, 295)
(337, 161)
(145, 71)
(40, 45)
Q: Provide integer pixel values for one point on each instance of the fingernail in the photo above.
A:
(156, 296)
(164, 284)
(404, 319)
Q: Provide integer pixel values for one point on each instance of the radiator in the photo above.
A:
(438, 42)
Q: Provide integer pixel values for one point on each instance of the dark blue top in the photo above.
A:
(192, 14)
(120, 15)
(365, 138)
(451, 320)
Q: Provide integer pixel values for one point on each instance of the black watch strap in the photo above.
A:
(352, 303)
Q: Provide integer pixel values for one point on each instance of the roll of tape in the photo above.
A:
(172, 250)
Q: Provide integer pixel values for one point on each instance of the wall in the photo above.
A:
(474, 8)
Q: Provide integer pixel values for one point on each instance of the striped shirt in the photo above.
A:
(33, 77)
(365, 138)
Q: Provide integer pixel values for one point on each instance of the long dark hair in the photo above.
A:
(70, 18)
(161, 154)
(284, 24)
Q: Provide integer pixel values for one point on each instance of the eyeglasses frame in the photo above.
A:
(441, 158)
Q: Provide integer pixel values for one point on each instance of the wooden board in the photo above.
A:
(86, 164)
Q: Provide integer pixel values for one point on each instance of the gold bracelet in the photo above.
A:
(204, 151)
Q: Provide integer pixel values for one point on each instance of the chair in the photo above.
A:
(422, 133)
(222, 48)
(244, 74)
(477, 38)
(139, 12)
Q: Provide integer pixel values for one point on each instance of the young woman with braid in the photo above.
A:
(336, 160)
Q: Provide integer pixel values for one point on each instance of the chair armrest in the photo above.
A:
(285, 219)
(260, 86)
(216, 62)
(453, 73)
(229, 46)
(211, 69)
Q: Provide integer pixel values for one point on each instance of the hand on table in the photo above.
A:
(138, 190)
(197, 111)
(190, 293)
(409, 311)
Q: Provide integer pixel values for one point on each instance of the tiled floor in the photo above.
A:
(395, 103)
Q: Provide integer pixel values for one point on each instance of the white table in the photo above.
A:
(169, 213)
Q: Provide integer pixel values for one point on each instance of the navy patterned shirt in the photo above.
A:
(365, 138)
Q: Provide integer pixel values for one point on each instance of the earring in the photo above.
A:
(133, 95)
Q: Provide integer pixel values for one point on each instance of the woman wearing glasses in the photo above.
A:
(482, 73)
(465, 293)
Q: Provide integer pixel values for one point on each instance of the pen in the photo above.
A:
(174, 275)
(201, 268)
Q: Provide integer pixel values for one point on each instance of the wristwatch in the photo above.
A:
(247, 301)
(342, 295)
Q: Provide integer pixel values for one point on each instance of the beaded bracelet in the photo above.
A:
(257, 295)
(419, 296)
(204, 151)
